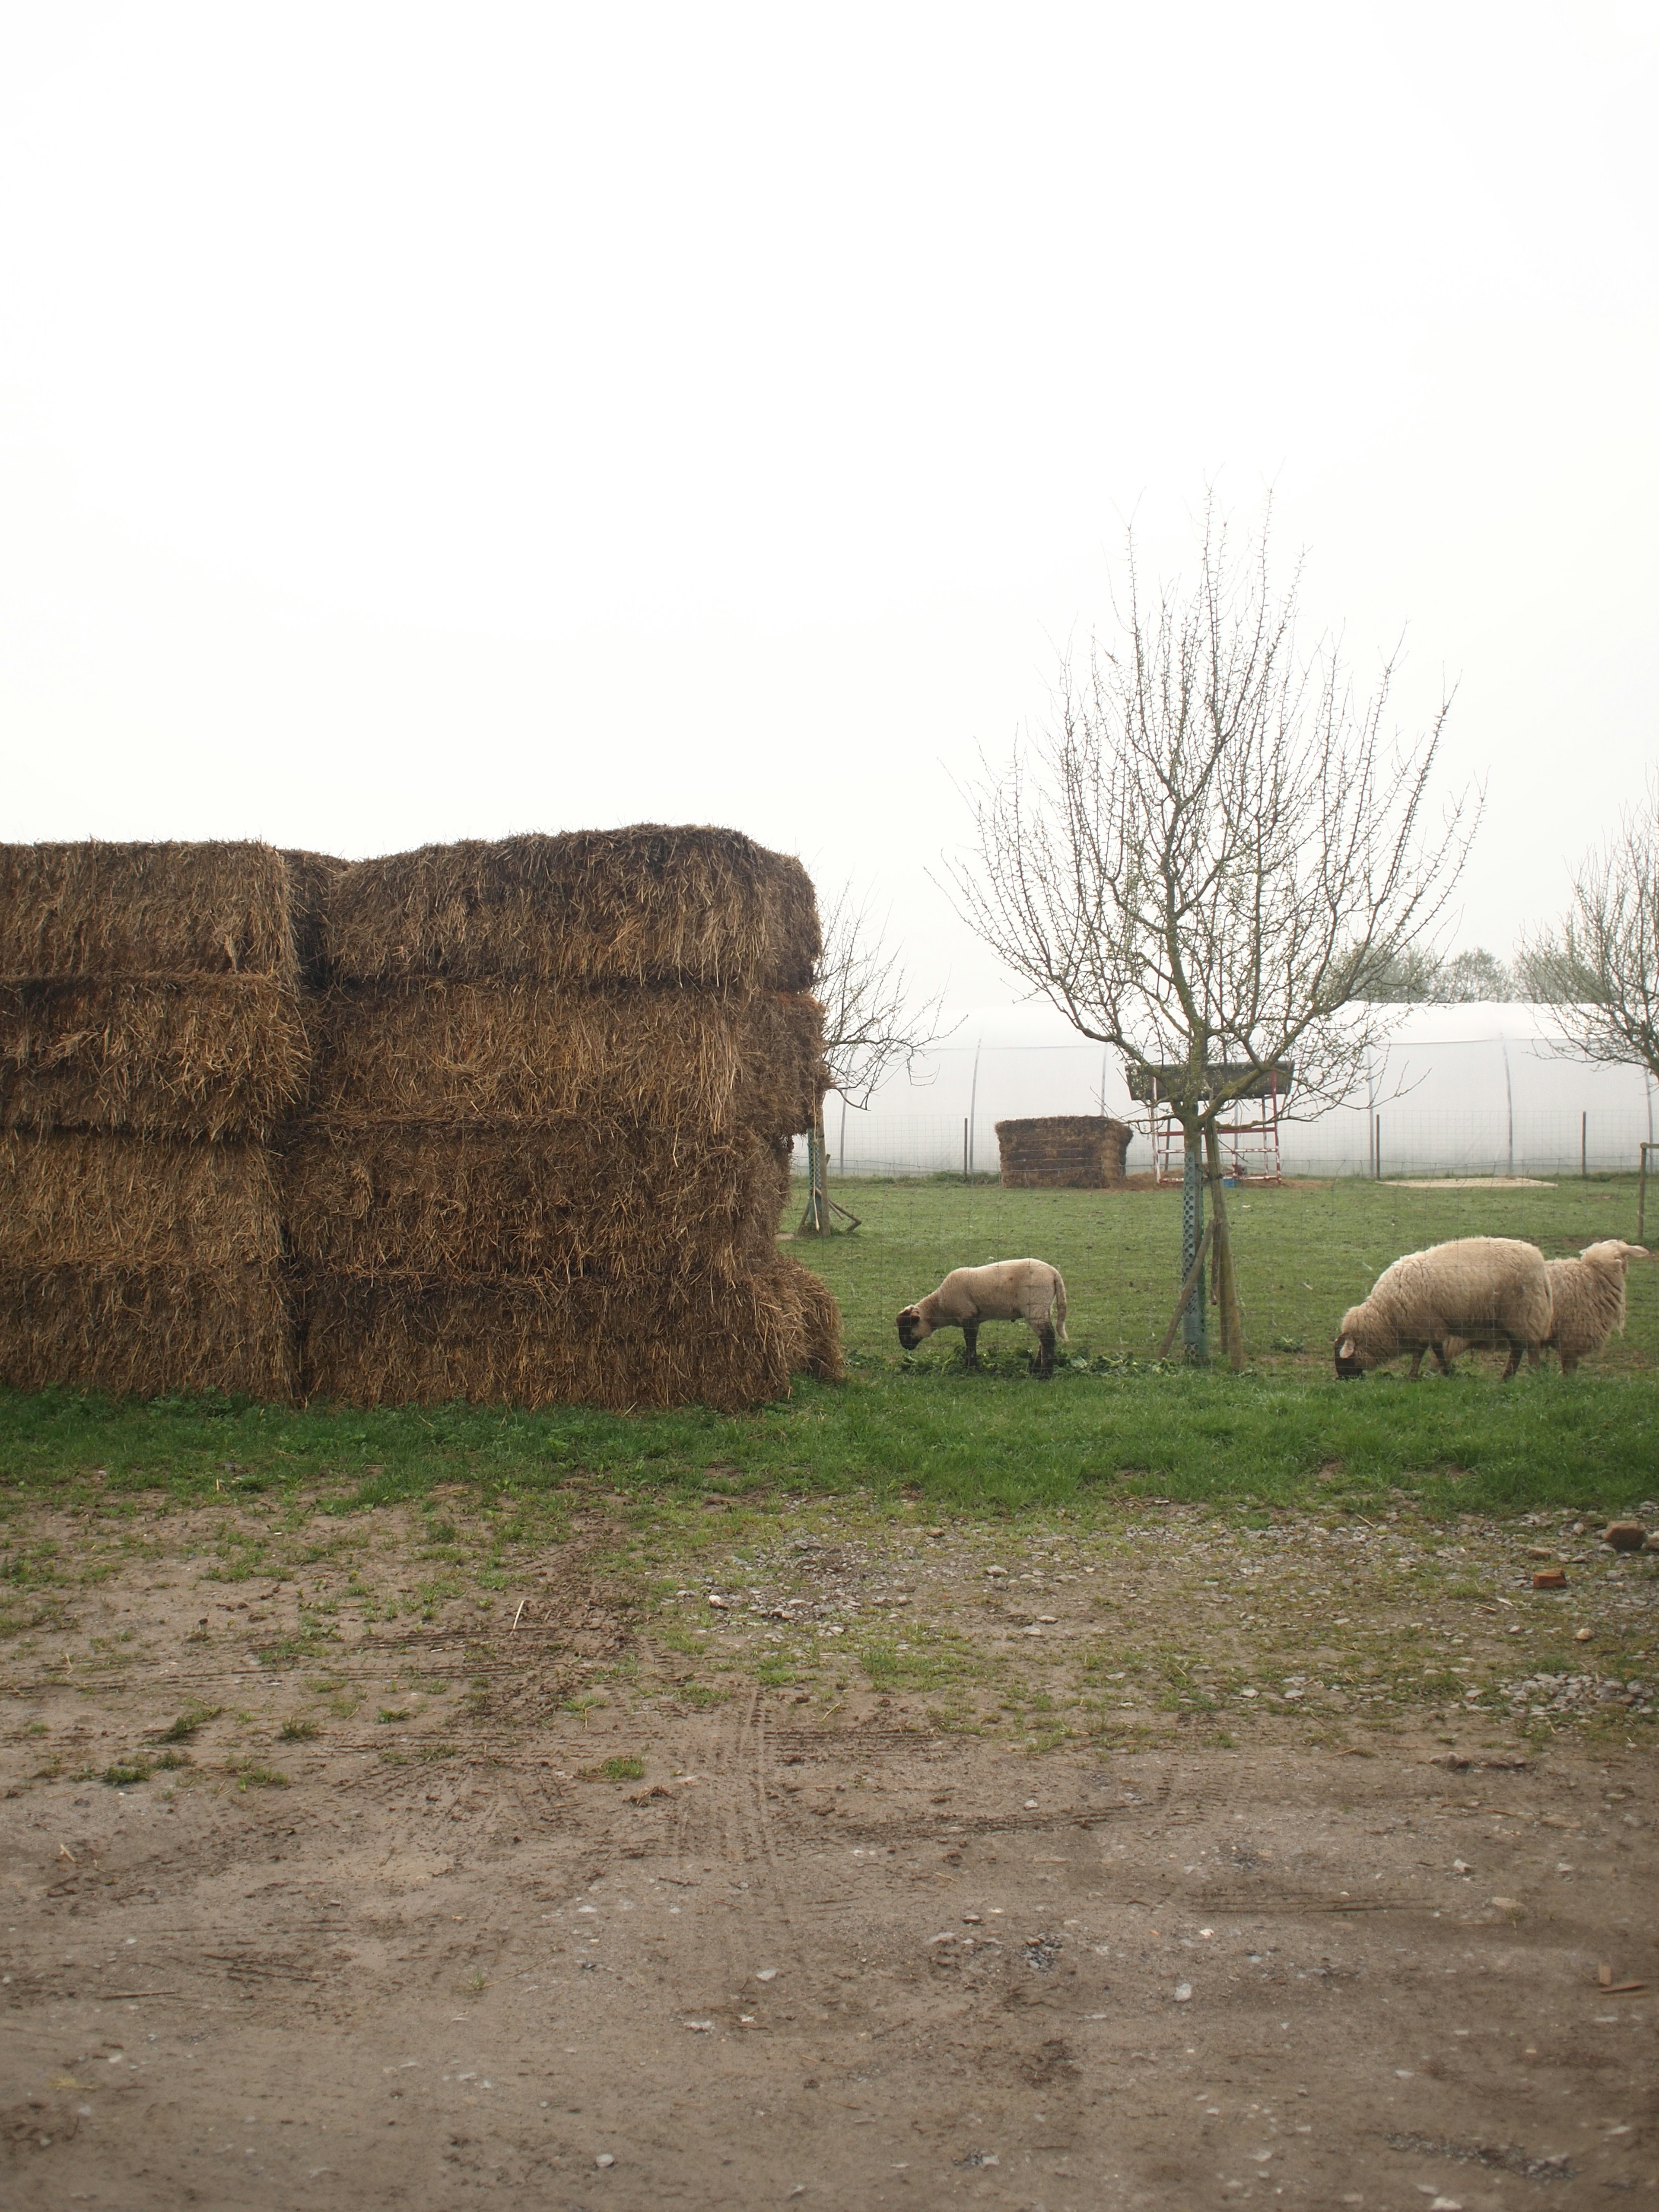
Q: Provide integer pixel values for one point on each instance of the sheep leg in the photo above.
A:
(1045, 1337)
(1416, 1367)
(1440, 1358)
(970, 1342)
(1569, 1363)
(1516, 1350)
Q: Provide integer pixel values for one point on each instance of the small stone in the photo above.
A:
(604, 2159)
(767, 1974)
(1446, 2205)
(1030, 1804)
(1550, 1578)
(1625, 1535)
(1582, 1635)
(1539, 1552)
(1184, 1993)
(1461, 1866)
(1652, 1543)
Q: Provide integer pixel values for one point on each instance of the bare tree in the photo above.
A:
(870, 1027)
(1214, 853)
(1600, 969)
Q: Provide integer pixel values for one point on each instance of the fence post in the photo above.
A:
(1583, 1146)
(964, 1148)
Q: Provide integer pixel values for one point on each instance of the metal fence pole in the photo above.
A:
(1194, 1329)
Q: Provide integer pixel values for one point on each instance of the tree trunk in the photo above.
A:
(1233, 1321)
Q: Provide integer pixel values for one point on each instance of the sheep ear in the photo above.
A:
(1345, 1350)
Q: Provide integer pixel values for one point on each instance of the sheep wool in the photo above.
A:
(1588, 1297)
(1479, 1290)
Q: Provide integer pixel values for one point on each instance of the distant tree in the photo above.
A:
(1412, 980)
(1420, 978)
(1599, 967)
(1213, 854)
(872, 1027)
(1471, 976)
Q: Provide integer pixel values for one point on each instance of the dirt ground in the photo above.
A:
(1164, 1861)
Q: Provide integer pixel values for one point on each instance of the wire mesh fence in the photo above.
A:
(1305, 1251)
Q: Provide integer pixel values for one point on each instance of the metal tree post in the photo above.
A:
(815, 1222)
(1192, 1322)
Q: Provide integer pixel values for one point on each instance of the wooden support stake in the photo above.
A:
(1193, 1274)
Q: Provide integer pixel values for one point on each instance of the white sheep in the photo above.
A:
(1588, 1295)
(1476, 1290)
(1010, 1290)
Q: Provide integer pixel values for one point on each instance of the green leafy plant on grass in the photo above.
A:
(298, 1731)
(623, 1770)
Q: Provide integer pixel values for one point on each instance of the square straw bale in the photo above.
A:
(444, 1052)
(210, 1056)
(92, 909)
(148, 1330)
(487, 1198)
(649, 905)
(1063, 1152)
(97, 1201)
(530, 1343)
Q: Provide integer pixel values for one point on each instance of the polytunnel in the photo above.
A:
(1480, 1090)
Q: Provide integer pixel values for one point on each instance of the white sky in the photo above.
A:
(421, 422)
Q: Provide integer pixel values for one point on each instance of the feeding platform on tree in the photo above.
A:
(1249, 1140)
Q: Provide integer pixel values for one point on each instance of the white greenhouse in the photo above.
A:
(1475, 1090)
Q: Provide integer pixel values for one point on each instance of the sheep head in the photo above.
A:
(912, 1326)
(1350, 1360)
(1612, 1252)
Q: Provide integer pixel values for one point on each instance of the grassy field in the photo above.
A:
(1110, 1426)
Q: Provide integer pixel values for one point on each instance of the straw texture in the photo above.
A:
(568, 1201)
(96, 1201)
(447, 1052)
(108, 911)
(1063, 1152)
(535, 1343)
(208, 1056)
(705, 908)
(147, 1330)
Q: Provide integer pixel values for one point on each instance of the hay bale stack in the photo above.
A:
(1063, 1152)
(546, 1154)
(151, 1040)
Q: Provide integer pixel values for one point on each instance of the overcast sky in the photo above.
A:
(423, 422)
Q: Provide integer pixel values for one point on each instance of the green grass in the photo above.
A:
(1109, 1424)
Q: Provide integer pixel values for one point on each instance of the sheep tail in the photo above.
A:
(1060, 1304)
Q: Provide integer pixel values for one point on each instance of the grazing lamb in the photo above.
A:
(1588, 1295)
(1011, 1290)
(1476, 1290)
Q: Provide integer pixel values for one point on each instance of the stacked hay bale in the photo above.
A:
(1063, 1152)
(546, 1151)
(151, 1039)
